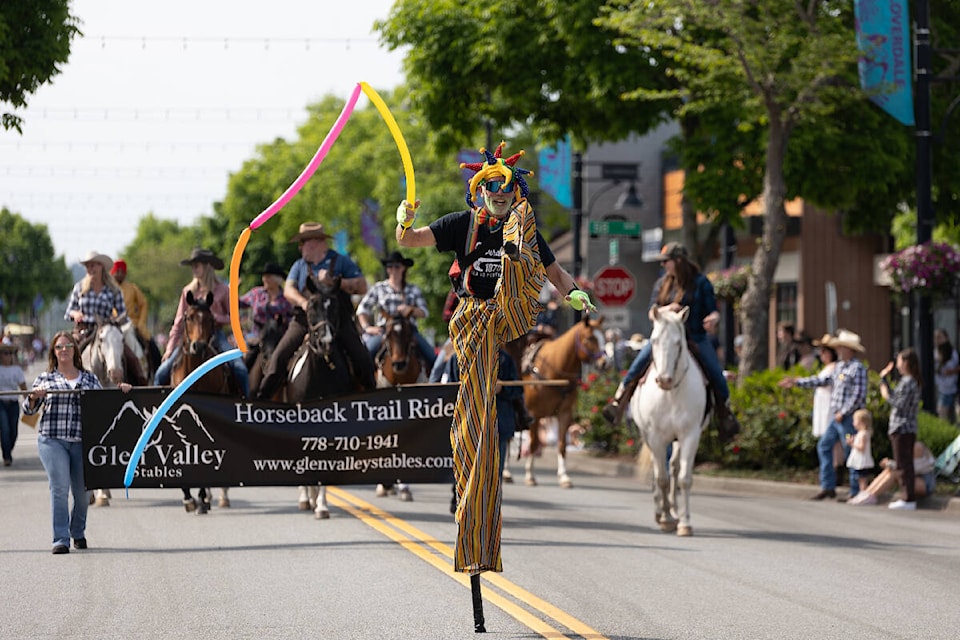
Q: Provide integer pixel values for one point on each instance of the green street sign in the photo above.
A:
(614, 228)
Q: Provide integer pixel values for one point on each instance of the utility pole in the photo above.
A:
(577, 219)
(923, 320)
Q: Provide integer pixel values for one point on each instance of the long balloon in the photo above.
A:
(266, 214)
(164, 407)
(313, 164)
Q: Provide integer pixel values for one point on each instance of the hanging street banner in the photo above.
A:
(883, 37)
(553, 172)
(206, 440)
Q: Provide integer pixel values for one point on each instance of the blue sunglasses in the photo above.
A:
(498, 186)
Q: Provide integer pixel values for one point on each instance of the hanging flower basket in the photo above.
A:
(730, 284)
(931, 267)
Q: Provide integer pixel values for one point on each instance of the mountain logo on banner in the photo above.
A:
(180, 441)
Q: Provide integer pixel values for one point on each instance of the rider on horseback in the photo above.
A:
(137, 307)
(323, 262)
(682, 285)
(393, 297)
(97, 296)
(203, 263)
(266, 302)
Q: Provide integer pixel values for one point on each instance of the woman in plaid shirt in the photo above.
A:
(904, 401)
(59, 438)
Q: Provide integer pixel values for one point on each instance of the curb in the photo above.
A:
(583, 462)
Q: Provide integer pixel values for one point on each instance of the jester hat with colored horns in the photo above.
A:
(496, 168)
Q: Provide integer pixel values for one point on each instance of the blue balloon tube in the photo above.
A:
(196, 374)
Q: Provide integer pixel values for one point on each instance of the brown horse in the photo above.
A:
(559, 359)
(196, 348)
(399, 357)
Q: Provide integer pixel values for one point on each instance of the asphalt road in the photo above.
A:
(580, 563)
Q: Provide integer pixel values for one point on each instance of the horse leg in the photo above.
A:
(384, 490)
(404, 490)
(224, 500)
(204, 505)
(188, 502)
(563, 424)
(661, 487)
(685, 482)
(304, 500)
(532, 449)
(322, 512)
(102, 497)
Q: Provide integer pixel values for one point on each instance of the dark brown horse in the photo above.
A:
(399, 356)
(196, 348)
(559, 359)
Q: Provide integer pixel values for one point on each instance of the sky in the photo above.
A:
(160, 102)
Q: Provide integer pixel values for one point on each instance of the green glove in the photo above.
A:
(580, 300)
(402, 215)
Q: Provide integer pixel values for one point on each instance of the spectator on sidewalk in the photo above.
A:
(925, 477)
(11, 379)
(849, 393)
(860, 460)
(946, 367)
(904, 400)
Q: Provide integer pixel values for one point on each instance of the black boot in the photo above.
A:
(613, 411)
(727, 425)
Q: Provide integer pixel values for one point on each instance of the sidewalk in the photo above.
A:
(583, 462)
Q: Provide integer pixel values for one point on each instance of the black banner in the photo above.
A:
(208, 440)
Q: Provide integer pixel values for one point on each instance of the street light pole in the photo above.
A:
(577, 219)
(925, 214)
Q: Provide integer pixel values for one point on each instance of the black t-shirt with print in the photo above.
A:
(451, 233)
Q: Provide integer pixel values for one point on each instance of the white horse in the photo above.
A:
(670, 407)
(103, 357)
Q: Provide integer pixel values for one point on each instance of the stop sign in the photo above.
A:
(614, 286)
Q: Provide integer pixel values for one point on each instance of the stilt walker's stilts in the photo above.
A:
(477, 604)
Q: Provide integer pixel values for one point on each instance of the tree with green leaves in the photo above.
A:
(34, 44)
(28, 267)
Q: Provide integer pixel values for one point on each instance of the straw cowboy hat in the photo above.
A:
(672, 251)
(397, 258)
(824, 341)
(96, 256)
(310, 230)
(847, 339)
(203, 255)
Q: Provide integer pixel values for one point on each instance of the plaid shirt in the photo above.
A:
(849, 380)
(258, 299)
(384, 297)
(905, 403)
(61, 415)
(96, 305)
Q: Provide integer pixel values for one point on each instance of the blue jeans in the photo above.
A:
(9, 426)
(63, 462)
(707, 357)
(162, 376)
(426, 349)
(836, 432)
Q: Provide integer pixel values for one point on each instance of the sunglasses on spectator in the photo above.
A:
(499, 186)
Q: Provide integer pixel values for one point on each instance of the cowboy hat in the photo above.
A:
(274, 269)
(825, 341)
(672, 251)
(203, 255)
(310, 230)
(96, 256)
(847, 339)
(397, 258)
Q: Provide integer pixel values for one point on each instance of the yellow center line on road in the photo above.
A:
(391, 526)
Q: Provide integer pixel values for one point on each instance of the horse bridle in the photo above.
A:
(319, 334)
(584, 354)
(677, 378)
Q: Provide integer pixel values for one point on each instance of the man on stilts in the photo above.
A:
(501, 265)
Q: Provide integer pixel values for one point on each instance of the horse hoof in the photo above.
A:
(405, 495)
(322, 515)
(507, 478)
(203, 507)
(684, 531)
(92, 499)
(668, 527)
(530, 481)
(224, 502)
(566, 483)
(304, 505)
(189, 504)
(382, 491)
(103, 501)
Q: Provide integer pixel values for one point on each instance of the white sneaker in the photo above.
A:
(902, 504)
